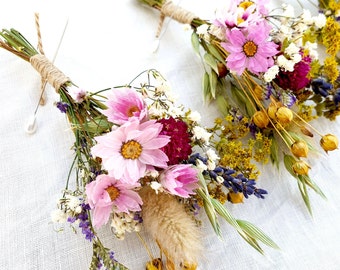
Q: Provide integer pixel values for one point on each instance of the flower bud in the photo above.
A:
(258, 91)
(300, 167)
(329, 142)
(260, 119)
(299, 149)
(222, 70)
(235, 197)
(272, 109)
(284, 115)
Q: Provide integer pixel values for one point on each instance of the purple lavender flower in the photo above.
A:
(62, 106)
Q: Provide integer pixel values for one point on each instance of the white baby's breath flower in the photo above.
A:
(175, 112)
(152, 173)
(292, 49)
(200, 165)
(158, 112)
(320, 20)
(296, 58)
(194, 116)
(211, 165)
(201, 134)
(58, 216)
(271, 73)
(157, 187)
(306, 16)
(312, 49)
(163, 87)
(301, 27)
(72, 202)
(283, 62)
(211, 154)
(78, 209)
(202, 29)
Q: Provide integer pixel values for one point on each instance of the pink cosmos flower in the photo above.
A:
(241, 13)
(128, 151)
(250, 49)
(125, 104)
(106, 192)
(179, 180)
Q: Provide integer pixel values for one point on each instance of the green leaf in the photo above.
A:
(274, 152)
(206, 88)
(208, 204)
(195, 42)
(256, 233)
(288, 161)
(210, 61)
(215, 53)
(97, 125)
(304, 194)
(213, 84)
(222, 104)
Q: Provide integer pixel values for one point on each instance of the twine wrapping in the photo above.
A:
(48, 71)
(169, 9)
(41, 50)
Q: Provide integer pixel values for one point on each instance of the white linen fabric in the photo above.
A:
(108, 43)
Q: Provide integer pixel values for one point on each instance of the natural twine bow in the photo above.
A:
(48, 72)
(169, 9)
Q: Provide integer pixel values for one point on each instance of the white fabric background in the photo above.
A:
(107, 43)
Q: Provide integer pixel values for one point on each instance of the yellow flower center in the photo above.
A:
(132, 110)
(246, 4)
(249, 48)
(131, 150)
(113, 192)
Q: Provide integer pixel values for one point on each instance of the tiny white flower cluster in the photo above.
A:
(66, 207)
(202, 134)
(124, 222)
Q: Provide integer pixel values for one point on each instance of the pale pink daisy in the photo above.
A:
(128, 151)
(250, 49)
(106, 192)
(125, 104)
(179, 180)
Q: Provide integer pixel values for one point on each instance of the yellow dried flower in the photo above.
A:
(260, 119)
(235, 197)
(258, 91)
(331, 36)
(299, 149)
(300, 167)
(329, 142)
(284, 115)
(331, 68)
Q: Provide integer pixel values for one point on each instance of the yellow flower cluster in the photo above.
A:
(234, 155)
(331, 36)
(331, 67)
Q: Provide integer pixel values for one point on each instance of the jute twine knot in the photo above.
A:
(169, 9)
(48, 71)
